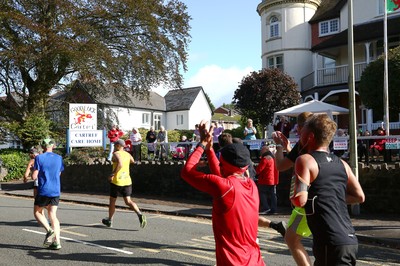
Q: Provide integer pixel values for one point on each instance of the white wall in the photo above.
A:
(363, 11)
(171, 120)
(129, 118)
(200, 110)
(295, 40)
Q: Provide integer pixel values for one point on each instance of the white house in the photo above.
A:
(178, 109)
(187, 107)
(308, 40)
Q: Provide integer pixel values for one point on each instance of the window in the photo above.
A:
(275, 62)
(329, 66)
(273, 27)
(157, 122)
(145, 118)
(179, 119)
(328, 27)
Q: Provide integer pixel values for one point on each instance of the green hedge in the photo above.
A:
(15, 161)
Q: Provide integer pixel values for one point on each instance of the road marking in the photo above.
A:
(374, 263)
(84, 242)
(190, 254)
(73, 233)
(187, 219)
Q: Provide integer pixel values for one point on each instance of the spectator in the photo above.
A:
(250, 131)
(268, 178)
(362, 147)
(162, 139)
(113, 134)
(196, 133)
(136, 140)
(151, 139)
(218, 129)
(283, 126)
(378, 145)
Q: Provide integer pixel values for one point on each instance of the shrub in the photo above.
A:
(15, 161)
(84, 155)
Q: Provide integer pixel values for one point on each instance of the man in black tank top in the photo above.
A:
(324, 185)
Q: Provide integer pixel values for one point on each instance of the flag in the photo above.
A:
(392, 5)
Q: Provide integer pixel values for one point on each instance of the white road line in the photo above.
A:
(190, 254)
(84, 242)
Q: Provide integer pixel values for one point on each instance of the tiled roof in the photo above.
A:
(328, 9)
(362, 32)
(181, 99)
(129, 100)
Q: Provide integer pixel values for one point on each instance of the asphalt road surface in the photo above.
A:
(167, 240)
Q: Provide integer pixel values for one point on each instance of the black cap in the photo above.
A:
(236, 154)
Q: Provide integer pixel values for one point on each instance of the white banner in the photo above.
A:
(340, 144)
(85, 138)
(82, 116)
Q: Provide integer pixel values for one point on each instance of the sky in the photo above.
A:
(225, 46)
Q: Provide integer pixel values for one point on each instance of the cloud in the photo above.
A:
(219, 83)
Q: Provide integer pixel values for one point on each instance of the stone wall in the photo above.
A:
(381, 183)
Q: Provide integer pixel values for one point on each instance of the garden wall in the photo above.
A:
(381, 183)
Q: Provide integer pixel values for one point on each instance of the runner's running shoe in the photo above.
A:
(107, 222)
(49, 238)
(142, 220)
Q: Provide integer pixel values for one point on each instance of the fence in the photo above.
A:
(340, 146)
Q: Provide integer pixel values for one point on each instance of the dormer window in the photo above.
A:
(273, 27)
(328, 27)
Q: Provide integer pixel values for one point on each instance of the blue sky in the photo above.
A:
(225, 46)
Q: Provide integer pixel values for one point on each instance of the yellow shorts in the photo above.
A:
(298, 222)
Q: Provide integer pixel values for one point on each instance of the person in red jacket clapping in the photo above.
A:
(113, 134)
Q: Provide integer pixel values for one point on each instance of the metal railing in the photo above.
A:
(332, 76)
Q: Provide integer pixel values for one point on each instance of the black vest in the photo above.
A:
(330, 222)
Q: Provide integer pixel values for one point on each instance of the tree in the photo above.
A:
(209, 102)
(262, 93)
(114, 44)
(371, 85)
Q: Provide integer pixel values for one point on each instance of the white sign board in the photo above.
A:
(85, 138)
(340, 144)
(82, 116)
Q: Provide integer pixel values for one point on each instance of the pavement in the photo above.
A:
(374, 229)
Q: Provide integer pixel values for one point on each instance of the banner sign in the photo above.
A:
(392, 144)
(82, 116)
(86, 138)
(340, 144)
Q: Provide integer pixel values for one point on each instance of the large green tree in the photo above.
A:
(262, 93)
(371, 85)
(114, 44)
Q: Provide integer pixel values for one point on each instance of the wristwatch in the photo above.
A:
(201, 145)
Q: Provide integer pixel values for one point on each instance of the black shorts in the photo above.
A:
(43, 201)
(328, 255)
(125, 191)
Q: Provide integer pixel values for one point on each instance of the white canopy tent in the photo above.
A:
(315, 107)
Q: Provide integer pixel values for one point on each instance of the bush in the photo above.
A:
(84, 155)
(15, 161)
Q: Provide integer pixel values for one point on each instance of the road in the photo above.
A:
(167, 240)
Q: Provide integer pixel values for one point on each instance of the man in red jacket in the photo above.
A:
(113, 134)
(268, 178)
(235, 204)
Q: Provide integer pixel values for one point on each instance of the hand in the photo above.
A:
(206, 136)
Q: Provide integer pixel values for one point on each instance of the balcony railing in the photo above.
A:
(331, 76)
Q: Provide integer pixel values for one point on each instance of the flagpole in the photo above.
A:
(355, 208)
(385, 73)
